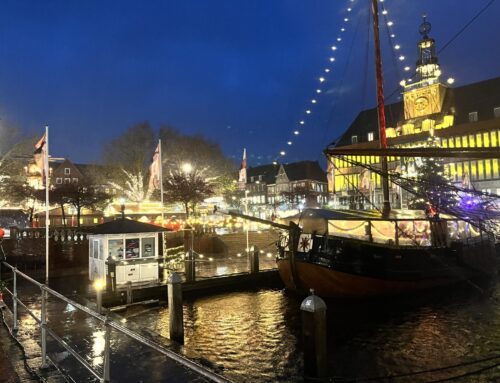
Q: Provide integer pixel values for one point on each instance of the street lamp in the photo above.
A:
(186, 167)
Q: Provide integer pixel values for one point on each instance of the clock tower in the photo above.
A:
(424, 96)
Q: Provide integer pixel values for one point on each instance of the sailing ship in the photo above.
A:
(354, 253)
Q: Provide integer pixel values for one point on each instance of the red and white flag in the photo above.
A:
(40, 155)
(155, 170)
(243, 171)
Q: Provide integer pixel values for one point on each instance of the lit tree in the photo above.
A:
(432, 190)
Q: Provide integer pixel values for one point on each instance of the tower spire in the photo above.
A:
(427, 63)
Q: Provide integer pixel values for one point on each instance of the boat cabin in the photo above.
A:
(125, 251)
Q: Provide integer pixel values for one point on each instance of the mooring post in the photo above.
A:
(189, 263)
(107, 351)
(129, 293)
(43, 327)
(99, 300)
(254, 260)
(14, 300)
(176, 316)
(313, 310)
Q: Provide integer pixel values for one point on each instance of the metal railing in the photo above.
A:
(103, 376)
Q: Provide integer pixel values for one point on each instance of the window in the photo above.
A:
(115, 248)
(148, 247)
(58, 180)
(354, 139)
(132, 248)
(473, 116)
(496, 111)
(67, 180)
(67, 171)
(252, 178)
(370, 136)
(75, 180)
(260, 177)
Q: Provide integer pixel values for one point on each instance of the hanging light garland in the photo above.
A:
(322, 79)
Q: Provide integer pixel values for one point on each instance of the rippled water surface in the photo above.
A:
(255, 336)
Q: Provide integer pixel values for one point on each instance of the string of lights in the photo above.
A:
(322, 81)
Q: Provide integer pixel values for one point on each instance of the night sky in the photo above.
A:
(240, 72)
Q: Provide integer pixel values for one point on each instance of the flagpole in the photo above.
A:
(161, 179)
(47, 220)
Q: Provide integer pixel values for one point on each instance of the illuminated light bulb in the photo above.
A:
(402, 83)
(393, 35)
(342, 29)
(332, 59)
(282, 153)
(384, 12)
(390, 23)
(327, 70)
(409, 80)
(274, 163)
(302, 122)
(397, 46)
(349, 9)
(313, 101)
(296, 132)
(321, 79)
(407, 68)
(339, 39)
(318, 90)
(308, 111)
(401, 58)
(346, 19)
(289, 142)
(450, 81)
(334, 48)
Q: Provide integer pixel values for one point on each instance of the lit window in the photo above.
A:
(67, 171)
(473, 116)
(496, 112)
(354, 139)
(370, 136)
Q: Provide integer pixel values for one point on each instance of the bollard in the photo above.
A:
(99, 286)
(254, 260)
(190, 266)
(107, 352)
(313, 310)
(43, 327)
(14, 300)
(176, 316)
(129, 293)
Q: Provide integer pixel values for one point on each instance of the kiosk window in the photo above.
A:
(148, 247)
(95, 249)
(115, 248)
(132, 248)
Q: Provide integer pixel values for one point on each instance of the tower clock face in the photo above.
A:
(421, 104)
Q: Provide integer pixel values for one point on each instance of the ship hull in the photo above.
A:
(393, 273)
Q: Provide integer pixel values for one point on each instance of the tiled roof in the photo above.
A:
(125, 226)
(305, 170)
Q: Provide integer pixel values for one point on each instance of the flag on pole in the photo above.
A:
(155, 170)
(243, 171)
(40, 155)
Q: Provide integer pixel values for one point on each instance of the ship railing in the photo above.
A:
(109, 325)
(407, 232)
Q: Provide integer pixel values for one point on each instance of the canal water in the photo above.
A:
(254, 336)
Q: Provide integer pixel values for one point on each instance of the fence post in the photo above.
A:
(254, 260)
(14, 300)
(43, 327)
(176, 326)
(107, 351)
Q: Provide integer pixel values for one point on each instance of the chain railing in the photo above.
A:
(109, 325)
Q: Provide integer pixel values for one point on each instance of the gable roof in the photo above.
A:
(125, 226)
(268, 173)
(479, 97)
(305, 170)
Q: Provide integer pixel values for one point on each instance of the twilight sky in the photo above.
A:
(240, 72)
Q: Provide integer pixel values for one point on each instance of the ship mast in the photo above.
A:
(381, 109)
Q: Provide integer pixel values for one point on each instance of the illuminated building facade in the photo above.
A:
(460, 117)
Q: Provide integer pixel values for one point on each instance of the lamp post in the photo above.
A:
(246, 213)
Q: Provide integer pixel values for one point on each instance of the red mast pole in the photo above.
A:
(380, 108)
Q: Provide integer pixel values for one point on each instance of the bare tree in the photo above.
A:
(186, 188)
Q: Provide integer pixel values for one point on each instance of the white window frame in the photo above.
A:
(473, 116)
(354, 139)
(67, 171)
(496, 111)
(371, 136)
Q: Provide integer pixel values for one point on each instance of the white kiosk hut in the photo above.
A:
(131, 246)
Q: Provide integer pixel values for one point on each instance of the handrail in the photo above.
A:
(108, 323)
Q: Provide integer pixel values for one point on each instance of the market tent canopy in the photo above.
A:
(125, 226)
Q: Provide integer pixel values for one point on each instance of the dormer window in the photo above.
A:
(473, 117)
(67, 171)
(354, 139)
(371, 136)
(496, 112)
